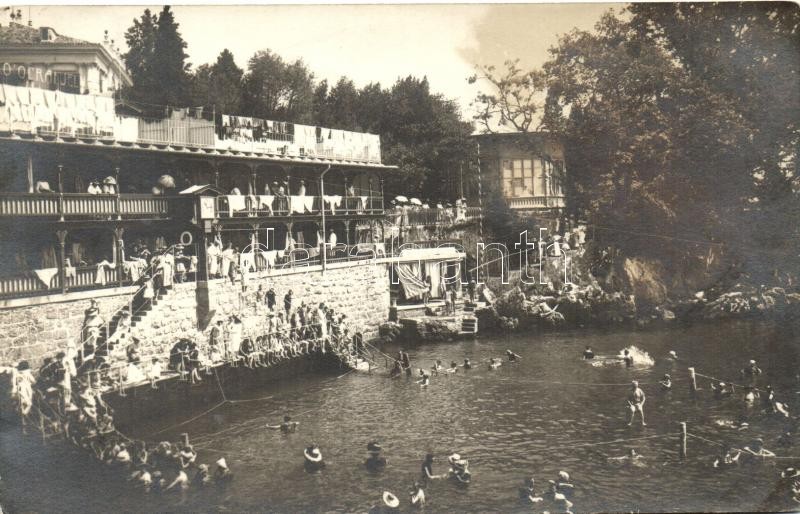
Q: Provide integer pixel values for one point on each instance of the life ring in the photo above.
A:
(184, 235)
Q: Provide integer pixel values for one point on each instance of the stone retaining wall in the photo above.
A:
(36, 331)
(361, 292)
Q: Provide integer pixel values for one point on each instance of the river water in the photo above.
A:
(547, 413)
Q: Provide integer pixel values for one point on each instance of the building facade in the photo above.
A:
(526, 171)
(43, 59)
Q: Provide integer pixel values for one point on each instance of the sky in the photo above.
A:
(368, 43)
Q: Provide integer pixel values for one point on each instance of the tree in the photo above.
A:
(278, 90)
(342, 103)
(156, 60)
(515, 98)
(219, 86)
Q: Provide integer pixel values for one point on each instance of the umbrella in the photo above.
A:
(401, 199)
(166, 181)
(415, 201)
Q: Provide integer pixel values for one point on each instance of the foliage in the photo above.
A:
(156, 60)
(277, 90)
(219, 86)
(680, 123)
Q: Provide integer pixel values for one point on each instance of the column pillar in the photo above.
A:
(347, 232)
(215, 168)
(62, 275)
(120, 253)
(30, 172)
(252, 186)
(60, 192)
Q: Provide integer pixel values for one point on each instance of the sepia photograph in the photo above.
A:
(390, 258)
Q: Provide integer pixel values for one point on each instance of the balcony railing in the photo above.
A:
(445, 216)
(86, 206)
(235, 206)
(536, 202)
(77, 279)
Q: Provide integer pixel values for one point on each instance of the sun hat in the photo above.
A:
(563, 475)
(222, 463)
(374, 447)
(390, 500)
(790, 473)
(314, 456)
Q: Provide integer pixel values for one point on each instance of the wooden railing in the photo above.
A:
(85, 277)
(83, 205)
(445, 216)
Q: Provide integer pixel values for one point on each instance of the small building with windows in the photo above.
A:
(526, 171)
(41, 58)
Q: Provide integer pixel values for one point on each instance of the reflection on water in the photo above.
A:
(536, 417)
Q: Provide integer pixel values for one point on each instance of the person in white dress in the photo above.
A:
(212, 256)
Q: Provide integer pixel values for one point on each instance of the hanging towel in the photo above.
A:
(45, 275)
(236, 203)
(297, 204)
(334, 201)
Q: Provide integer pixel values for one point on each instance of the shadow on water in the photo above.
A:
(532, 418)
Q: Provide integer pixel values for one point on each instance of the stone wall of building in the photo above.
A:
(361, 291)
(40, 329)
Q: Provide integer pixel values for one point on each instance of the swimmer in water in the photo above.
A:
(721, 391)
(750, 396)
(467, 364)
(756, 449)
(375, 462)
(666, 382)
(453, 367)
(287, 426)
(494, 363)
(631, 458)
(437, 367)
(727, 457)
(417, 495)
(672, 355)
(527, 494)
(512, 357)
(588, 354)
(627, 358)
(427, 469)
(636, 400)
(425, 380)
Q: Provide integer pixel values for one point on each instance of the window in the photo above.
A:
(517, 176)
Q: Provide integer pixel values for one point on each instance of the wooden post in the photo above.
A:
(62, 260)
(692, 381)
(185, 438)
(683, 440)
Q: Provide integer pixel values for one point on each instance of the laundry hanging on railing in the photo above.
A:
(100, 275)
(45, 275)
(334, 201)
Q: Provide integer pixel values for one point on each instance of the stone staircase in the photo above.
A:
(469, 323)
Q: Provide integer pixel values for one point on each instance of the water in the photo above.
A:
(533, 418)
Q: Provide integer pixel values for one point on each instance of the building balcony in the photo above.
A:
(258, 206)
(536, 202)
(84, 206)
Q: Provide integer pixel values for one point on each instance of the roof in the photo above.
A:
(16, 34)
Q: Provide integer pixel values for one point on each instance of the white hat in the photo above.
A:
(314, 456)
(222, 463)
(452, 459)
(391, 500)
(563, 475)
(752, 361)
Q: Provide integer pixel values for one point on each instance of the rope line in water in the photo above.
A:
(220, 404)
(717, 443)
(727, 382)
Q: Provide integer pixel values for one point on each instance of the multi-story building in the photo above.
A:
(43, 59)
(526, 171)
